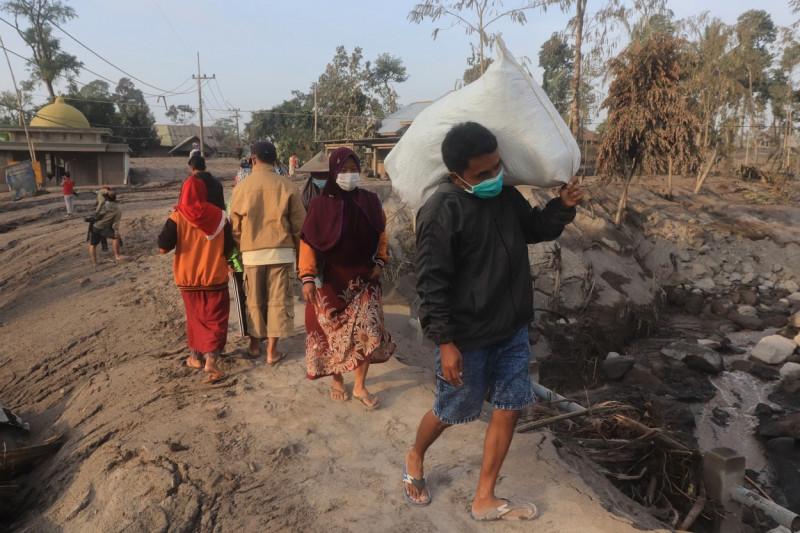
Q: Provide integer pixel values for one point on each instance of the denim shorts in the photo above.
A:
(501, 369)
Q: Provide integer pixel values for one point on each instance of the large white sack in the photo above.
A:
(535, 144)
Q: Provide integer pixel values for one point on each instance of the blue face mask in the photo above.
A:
(487, 188)
(319, 183)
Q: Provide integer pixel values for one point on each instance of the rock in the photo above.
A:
(747, 296)
(790, 370)
(794, 321)
(616, 367)
(781, 445)
(720, 417)
(640, 377)
(706, 284)
(773, 321)
(721, 306)
(699, 270)
(786, 426)
(82, 282)
(684, 255)
(789, 286)
(773, 349)
(611, 243)
(742, 365)
(776, 267)
(673, 413)
(795, 296)
(735, 276)
(752, 323)
(790, 385)
(693, 305)
(747, 310)
(709, 362)
(764, 372)
(711, 344)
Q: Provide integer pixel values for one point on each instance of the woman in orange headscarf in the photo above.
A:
(201, 237)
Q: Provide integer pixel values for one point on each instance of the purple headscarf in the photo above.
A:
(345, 224)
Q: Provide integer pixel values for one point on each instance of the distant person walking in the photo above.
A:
(292, 165)
(266, 219)
(106, 225)
(245, 168)
(200, 235)
(344, 243)
(195, 150)
(476, 293)
(68, 190)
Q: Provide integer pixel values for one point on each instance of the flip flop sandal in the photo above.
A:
(417, 483)
(365, 399)
(502, 512)
(344, 398)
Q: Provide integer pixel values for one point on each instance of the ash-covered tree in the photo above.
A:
(352, 96)
(135, 126)
(290, 125)
(9, 108)
(95, 102)
(34, 21)
(180, 114)
(556, 60)
(649, 123)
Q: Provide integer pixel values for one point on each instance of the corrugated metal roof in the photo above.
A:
(173, 135)
(395, 123)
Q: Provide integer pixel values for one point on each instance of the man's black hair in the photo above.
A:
(465, 140)
(266, 158)
(197, 162)
(66, 174)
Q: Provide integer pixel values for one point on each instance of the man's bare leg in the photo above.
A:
(429, 430)
(254, 350)
(115, 245)
(273, 355)
(93, 253)
(495, 447)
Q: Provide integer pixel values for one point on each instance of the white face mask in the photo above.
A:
(348, 180)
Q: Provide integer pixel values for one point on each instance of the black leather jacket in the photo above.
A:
(473, 275)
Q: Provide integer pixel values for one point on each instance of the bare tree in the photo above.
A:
(475, 16)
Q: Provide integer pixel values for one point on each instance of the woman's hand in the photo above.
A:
(376, 272)
(309, 291)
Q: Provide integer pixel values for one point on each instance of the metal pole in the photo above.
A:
(200, 107)
(782, 516)
(315, 113)
(560, 402)
(19, 103)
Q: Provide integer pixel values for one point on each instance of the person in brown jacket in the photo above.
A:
(267, 216)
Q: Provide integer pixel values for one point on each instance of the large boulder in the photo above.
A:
(773, 349)
(786, 426)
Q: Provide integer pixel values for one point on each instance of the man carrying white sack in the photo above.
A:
(474, 282)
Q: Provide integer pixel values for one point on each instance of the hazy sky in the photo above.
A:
(262, 50)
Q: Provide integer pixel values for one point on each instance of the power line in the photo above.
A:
(170, 26)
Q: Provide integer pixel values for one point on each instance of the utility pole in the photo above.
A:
(315, 113)
(200, 79)
(236, 114)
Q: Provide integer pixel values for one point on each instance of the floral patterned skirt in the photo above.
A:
(344, 325)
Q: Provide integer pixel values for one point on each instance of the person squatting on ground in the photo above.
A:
(266, 219)
(105, 225)
(68, 190)
(200, 235)
(344, 237)
(476, 292)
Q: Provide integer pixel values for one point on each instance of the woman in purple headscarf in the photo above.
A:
(343, 244)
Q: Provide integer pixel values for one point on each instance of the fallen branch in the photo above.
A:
(535, 424)
(648, 432)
